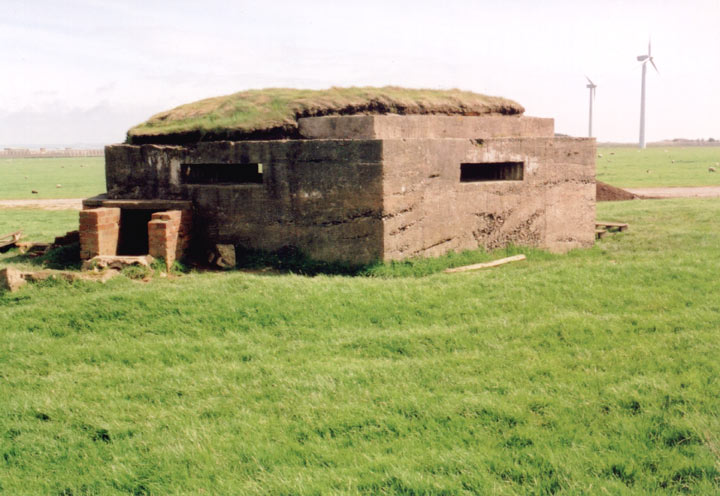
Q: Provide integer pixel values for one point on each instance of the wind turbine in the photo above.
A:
(592, 87)
(644, 59)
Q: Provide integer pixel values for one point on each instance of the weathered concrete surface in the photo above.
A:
(223, 255)
(11, 279)
(424, 126)
(324, 197)
(116, 262)
(366, 199)
(158, 204)
(428, 211)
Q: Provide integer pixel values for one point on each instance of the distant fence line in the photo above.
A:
(44, 153)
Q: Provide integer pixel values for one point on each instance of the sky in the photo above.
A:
(85, 71)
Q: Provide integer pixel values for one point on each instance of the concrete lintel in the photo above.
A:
(424, 126)
(149, 204)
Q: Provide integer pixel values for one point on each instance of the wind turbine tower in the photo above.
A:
(592, 87)
(644, 59)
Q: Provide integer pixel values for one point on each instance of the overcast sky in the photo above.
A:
(84, 71)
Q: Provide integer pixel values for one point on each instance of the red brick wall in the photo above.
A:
(99, 230)
(169, 234)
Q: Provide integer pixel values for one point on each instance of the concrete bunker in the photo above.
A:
(381, 178)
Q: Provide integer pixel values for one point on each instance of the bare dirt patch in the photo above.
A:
(606, 192)
(50, 204)
(678, 192)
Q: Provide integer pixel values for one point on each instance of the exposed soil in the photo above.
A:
(606, 192)
(52, 204)
(678, 192)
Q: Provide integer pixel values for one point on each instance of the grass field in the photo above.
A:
(633, 168)
(596, 372)
(80, 177)
(85, 177)
(38, 225)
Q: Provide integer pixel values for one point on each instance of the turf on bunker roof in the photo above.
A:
(273, 113)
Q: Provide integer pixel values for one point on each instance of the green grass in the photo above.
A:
(633, 168)
(38, 225)
(80, 177)
(276, 110)
(595, 372)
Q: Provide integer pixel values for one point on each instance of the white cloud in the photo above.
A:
(66, 58)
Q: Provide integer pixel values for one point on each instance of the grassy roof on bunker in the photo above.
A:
(273, 113)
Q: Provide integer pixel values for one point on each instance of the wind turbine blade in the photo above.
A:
(589, 81)
(653, 64)
(649, 48)
(641, 57)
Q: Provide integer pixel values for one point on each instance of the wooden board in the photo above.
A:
(10, 239)
(31, 247)
(620, 226)
(486, 265)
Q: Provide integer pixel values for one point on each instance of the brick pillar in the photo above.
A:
(99, 231)
(169, 234)
(184, 233)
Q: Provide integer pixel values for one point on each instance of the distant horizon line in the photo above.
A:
(99, 146)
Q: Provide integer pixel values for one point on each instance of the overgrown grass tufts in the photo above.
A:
(273, 112)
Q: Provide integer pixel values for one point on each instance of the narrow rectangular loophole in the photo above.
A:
(491, 171)
(222, 173)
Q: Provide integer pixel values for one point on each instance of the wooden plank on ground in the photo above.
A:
(10, 239)
(621, 226)
(486, 265)
(33, 248)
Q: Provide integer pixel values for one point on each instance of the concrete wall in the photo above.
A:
(428, 211)
(325, 197)
(424, 126)
(370, 198)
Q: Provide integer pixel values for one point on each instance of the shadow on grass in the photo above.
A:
(292, 260)
(60, 258)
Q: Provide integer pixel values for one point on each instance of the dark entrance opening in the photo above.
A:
(491, 171)
(133, 239)
(222, 173)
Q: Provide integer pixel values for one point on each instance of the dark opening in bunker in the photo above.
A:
(222, 173)
(133, 236)
(491, 171)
